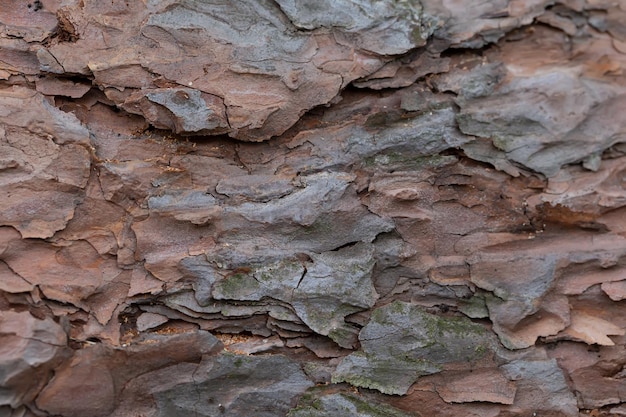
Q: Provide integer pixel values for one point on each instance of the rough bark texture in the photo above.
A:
(312, 208)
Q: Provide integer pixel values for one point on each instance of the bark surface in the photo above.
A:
(312, 208)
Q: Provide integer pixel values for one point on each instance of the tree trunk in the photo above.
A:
(312, 208)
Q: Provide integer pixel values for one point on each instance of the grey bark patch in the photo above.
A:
(236, 385)
(546, 121)
(380, 27)
(402, 342)
(544, 383)
(339, 283)
(342, 404)
(276, 280)
(260, 188)
(190, 110)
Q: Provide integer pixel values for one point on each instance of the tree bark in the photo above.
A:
(312, 208)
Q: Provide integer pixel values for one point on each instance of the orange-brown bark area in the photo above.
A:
(312, 208)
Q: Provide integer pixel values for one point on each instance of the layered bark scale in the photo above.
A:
(312, 208)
